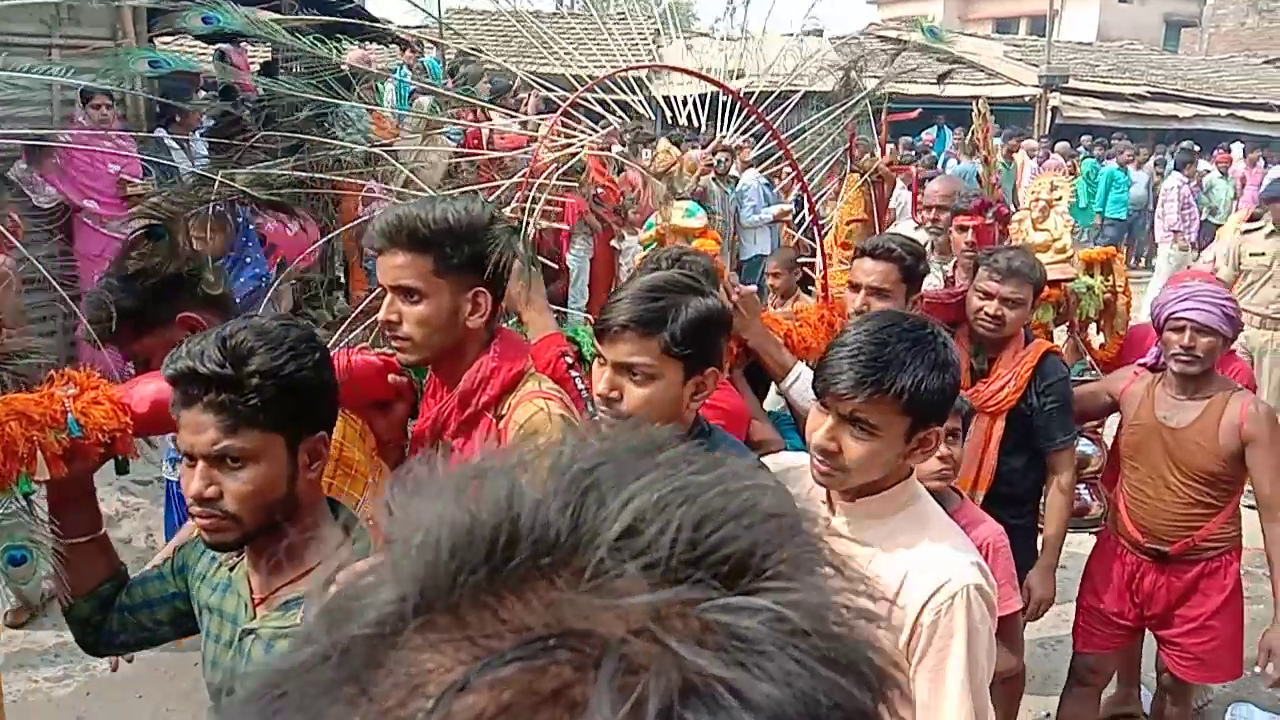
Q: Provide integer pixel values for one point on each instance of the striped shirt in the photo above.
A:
(1176, 210)
(194, 591)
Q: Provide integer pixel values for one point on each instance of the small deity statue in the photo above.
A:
(1045, 224)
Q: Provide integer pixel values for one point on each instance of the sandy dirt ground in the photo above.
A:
(46, 677)
(166, 683)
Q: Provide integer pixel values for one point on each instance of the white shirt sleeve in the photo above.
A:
(797, 387)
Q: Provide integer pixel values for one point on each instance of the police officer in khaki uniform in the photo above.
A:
(1251, 266)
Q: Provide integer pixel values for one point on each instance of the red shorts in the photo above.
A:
(1194, 608)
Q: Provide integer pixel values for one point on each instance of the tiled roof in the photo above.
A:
(1236, 78)
(874, 56)
(1110, 67)
(552, 42)
(912, 68)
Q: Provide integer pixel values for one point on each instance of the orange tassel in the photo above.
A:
(33, 424)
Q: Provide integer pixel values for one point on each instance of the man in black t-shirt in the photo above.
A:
(1036, 446)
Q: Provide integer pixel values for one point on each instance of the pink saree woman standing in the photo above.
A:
(87, 171)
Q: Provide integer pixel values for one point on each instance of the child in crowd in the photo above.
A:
(782, 274)
(938, 474)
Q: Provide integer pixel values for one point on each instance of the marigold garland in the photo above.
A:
(809, 329)
(73, 405)
(1117, 327)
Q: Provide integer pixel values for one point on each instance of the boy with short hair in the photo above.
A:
(938, 474)
(873, 424)
(782, 274)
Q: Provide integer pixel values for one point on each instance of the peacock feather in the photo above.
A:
(930, 31)
(207, 18)
(316, 137)
(148, 62)
(29, 555)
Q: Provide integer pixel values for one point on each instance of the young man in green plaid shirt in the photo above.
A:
(256, 400)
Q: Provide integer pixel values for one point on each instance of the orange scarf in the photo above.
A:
(992, 399)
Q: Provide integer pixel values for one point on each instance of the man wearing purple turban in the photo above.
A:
(1169, 559)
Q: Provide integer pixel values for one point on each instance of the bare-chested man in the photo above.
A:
(1169, 559)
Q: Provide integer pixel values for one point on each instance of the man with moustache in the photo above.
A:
(936, 203)
(1169, 559)
(1023, 436)
(874, 422)
(256, 400)
(951, 258)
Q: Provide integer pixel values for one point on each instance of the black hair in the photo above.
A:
(269, 68)
(690, 321)
(500, 86)
(786, 258)
(635, 580)
(1184, 158)
(269, 374)
(466, 237)
(963, 409)
(1011, 135)
(87, 94)
(228, 92)
(681, 257)
(1013, 262)
(897, 356)
(167, 113)
(1159, 161)
(902, 252)
(470, 76)
(127, 304)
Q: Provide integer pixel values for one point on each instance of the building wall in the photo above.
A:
(1232, 26)
(1146, 20)
(1078, 20)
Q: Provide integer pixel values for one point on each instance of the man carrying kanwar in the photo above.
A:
(1169, 559)
(256, 401)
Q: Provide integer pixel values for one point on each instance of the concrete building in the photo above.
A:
(1157, 23)
(1233, 26)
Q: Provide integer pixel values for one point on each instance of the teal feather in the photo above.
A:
(28, 551)
(149, 62)
(207, 19)
(930, 31)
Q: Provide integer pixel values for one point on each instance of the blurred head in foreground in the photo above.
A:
(610, 576)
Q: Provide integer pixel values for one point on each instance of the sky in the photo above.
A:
(837, 16)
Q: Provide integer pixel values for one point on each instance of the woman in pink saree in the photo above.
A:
(88, 171)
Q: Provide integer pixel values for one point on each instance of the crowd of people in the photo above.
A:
(692, 521)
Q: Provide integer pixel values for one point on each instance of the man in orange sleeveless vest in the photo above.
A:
(1169, 559)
